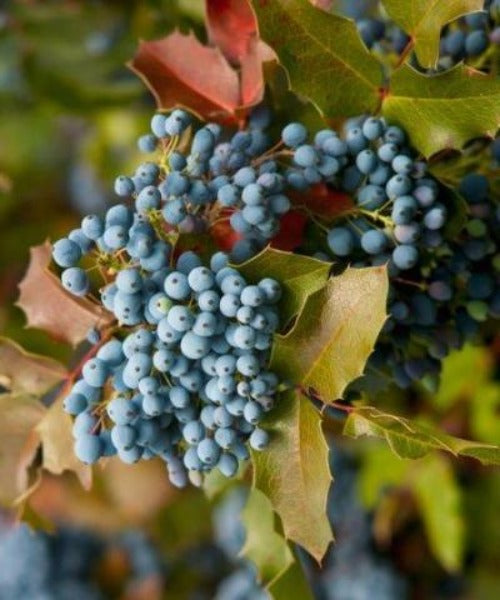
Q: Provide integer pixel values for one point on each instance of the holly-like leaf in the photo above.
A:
(21, 413)
(57, 444)
(444, 110)
(266, 548)
(334, 334)
(408, 439)
(21, 371)
(424, 19)
(231, 27)
(180, 70)
(326, 60)
(438, 496)
(48, 306)
(294, 472)
(298, 275)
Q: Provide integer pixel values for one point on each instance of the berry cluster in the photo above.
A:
(189, 382)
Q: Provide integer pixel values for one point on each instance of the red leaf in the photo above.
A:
(48, 306)
(323, 200)
(291, 231)
(224, 235)
(252, 78)
(179, 70)
(232, 27)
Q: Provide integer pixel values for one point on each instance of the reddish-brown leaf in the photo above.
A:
(231, 26)
(179, 70)
(49, 307)
(252, 76)
(223, 234)
(323, 200)
(291, 231)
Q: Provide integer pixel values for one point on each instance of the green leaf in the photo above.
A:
(294, 472)
(22, 372)
(380, 470)
(458, 211)
(439, 499)
(298, 275)
(215, 483)
(335, 333)
(464, 372)
(292, 584)
(267, 549)
(424, 19)
(484, 410)
(439, 505)
(324, 56)
(18, 443)
(445, 110)
(414, 440)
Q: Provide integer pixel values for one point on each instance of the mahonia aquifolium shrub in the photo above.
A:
(186, 377)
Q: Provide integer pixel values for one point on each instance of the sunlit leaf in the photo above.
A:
(293, 472)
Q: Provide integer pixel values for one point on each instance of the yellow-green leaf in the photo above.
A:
(292, 584)
(294, 472)
(335, 333)
(444, 110)
(22, 372)
(266, 548)
(326, 60)
(408, 439)
(298, 275)
(439, 500)
(424, 19)
(18, 442)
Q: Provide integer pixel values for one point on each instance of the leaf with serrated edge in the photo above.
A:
(21, 371)
(50, 307)
(57, 444)
(445, 110)
(298, 275)
(335, 333)
(18, 442)
(413, 440)
(267, 549)
(424, 19)
(324, 55)
(441, 509)
(294, 473)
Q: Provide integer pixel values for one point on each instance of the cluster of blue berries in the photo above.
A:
(467, 38)
(188, 382)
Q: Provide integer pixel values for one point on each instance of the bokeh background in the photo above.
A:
(70, 114)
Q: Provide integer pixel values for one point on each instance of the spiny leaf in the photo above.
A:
(57, 444)
(267, 549)
(413, 440)
(424, 19)
(294, 472)
(21, 371)
(49, 307)
(444, 110)
(18, 442)
(324, 55)
(298, 275)
(335, 333)
(179, 70)
(438, 496)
